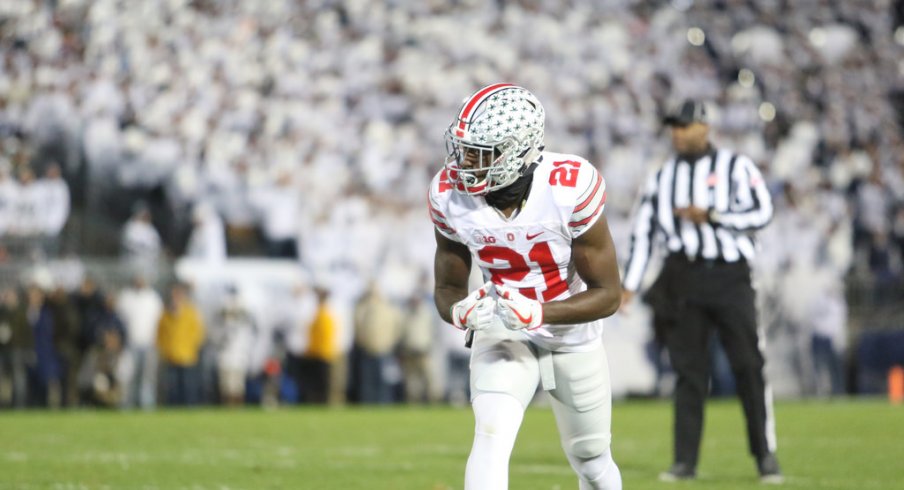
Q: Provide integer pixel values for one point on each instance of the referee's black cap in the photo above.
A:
(689, 111)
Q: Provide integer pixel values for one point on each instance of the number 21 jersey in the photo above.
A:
(531, 251)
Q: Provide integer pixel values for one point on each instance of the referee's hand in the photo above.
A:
(694, 214)
(626, 297)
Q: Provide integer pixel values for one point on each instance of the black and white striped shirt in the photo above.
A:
(724, 182)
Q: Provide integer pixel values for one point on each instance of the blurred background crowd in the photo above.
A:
(147, 145)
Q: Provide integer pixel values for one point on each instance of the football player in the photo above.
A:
(533, 222)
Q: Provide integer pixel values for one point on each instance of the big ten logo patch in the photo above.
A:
(483, 238)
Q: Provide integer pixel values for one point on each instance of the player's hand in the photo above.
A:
(517, 311)
(477, 311)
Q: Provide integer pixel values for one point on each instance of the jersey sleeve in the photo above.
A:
(751, 204)
(437, 200)
(589, 199)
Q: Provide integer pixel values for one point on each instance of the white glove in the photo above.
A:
(517, 311)
(477, 311)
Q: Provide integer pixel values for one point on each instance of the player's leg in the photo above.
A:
(504, 378)
(497, 420)
(582, 404)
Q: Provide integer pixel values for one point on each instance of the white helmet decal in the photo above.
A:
(502, 125)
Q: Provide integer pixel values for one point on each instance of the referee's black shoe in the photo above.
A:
(678, 472)
(770, 472)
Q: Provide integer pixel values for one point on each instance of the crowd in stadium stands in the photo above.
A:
(308, 131)
(133, 349)
(33, 210)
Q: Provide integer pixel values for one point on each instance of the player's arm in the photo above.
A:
(594, 258)
(451, 268)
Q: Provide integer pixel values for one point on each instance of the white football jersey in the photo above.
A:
(532, 250)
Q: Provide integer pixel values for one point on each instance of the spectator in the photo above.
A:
(881, 256)
(67, 343)
(897, 231)
(271, 376)
(9, 126)
(140, 240)
(230, 189)
(88, 302)
(52, 121)
(235, 331)
(280, 208)
(9, 191)
(207, 241)
(29, 206)
(180, 335)
(103, 367)
(48, 369)
(342, 299)
(16, 350)
(103, 361)
(321, 352)
(140, 308)
(297, 323)
(55, 201)
(417, 341)
(828, 340)
(377, 330)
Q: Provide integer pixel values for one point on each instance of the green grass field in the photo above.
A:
(844, 445)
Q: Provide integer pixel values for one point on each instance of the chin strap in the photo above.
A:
(515, 193)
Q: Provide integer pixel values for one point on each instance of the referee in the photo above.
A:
(705, 203)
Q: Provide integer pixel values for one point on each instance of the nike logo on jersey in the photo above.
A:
(535, 235)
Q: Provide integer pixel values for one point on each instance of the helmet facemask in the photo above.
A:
(479, 169)
(491, 149)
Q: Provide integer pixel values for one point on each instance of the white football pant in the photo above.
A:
(507, 368)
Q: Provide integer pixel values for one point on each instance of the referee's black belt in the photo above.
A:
(679, 258)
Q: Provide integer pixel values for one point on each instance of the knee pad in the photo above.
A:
(497, 414)
(591, 469)
(587, 447)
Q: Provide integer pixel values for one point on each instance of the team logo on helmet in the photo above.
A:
(498, 131)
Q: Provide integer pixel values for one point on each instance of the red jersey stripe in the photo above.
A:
(589, 218)
(442, 226)
(599, 182)
(430, 203)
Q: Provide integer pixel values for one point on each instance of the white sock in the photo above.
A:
(599, 473)
(498, 417)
